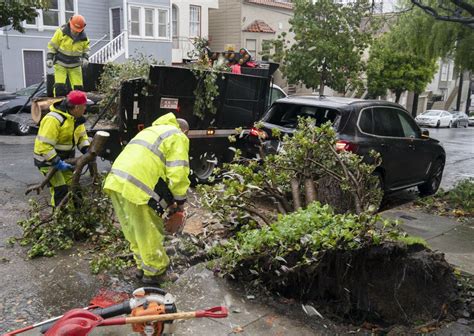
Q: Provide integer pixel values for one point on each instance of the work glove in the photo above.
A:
(49, 63)
(85, 62)
(62, 166)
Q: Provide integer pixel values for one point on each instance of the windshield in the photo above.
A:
(432, 113)
(27, 91)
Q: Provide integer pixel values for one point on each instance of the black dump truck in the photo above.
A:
(242, 100)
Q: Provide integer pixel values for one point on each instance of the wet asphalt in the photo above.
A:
(33, 290)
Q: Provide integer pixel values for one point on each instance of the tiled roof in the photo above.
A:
(258, 26)
(273, 3)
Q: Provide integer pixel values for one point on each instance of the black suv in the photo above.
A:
(409, 156)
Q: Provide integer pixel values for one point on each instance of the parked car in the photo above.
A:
(11, 103)
(460, 119)
(435, 118)
(471, 119)
(409, 156)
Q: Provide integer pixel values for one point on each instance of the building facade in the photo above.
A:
(115, 34)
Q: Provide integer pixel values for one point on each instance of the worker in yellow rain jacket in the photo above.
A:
(148, 176)
(68, 50)
(60, 131)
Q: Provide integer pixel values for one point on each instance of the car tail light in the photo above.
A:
(256, 132)
(342, 145)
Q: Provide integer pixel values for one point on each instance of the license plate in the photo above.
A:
(169, 103)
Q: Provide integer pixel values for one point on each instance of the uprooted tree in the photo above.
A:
(359, 266)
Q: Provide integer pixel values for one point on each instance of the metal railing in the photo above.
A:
(112, 50)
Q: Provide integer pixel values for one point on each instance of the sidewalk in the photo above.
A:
(453, 238)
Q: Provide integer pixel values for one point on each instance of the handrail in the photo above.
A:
(111, 51)
(99, 40)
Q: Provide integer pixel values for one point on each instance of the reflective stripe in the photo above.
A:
(57, 116)
(45, 140)
(82, 134)
(177, 163)
(150, 269)
(136, 182)
(64, 147)
(148, 146)
(139, 257)
(45, 157)
(70, 53)
(180, 197)
(84, 143)
(69, 65)
(54, 45)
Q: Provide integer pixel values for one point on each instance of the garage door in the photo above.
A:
(33, 66)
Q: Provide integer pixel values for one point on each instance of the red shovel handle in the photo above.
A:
(214, 312)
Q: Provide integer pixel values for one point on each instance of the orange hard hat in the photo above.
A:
(77, 23)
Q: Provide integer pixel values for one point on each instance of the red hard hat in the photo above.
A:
(77, 23)
(77, 97)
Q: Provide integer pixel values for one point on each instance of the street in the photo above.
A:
(32, 290)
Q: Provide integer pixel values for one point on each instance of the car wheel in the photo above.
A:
(431, 186)
(202, 168)
(452, 125)
(438, 123)
(22, 128)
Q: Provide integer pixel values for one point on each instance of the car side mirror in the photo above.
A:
(425, 133)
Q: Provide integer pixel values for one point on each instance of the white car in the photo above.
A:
(471, 119)
(435, 118)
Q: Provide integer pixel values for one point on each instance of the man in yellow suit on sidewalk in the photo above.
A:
(150, 175)
(68, 51)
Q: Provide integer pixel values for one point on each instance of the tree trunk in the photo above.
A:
(310, 190)
(458, 101)
(468, 100)
(414, 108)
(295, 192)
(321, 86)
(398, 94)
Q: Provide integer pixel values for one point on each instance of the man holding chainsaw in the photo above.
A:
(149, 177)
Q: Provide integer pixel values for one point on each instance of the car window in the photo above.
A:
(365, 121)
(387, 122)
(276, 94)
(445, 114)
(410, 129)
(286, 115)
(432, 113)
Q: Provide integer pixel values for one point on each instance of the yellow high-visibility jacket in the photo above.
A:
(67, 50)
(158, 151)
(58, 134)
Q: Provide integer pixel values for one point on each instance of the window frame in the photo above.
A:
(39, 20)
(198, 22)
(156, 22)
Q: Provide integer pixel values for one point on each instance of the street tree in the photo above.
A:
(14, 12)
(328, 44)
(397, 70)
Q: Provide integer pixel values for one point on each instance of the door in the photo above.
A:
(33, 66)
(446, 118)
(116, 18)
(398, 156)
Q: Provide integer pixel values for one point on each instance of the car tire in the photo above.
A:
(431, 186)
(21, 128)
(202, 168)
(438, 124)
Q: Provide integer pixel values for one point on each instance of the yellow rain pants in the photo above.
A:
(58, 185)
(62, 73)
(144, 230)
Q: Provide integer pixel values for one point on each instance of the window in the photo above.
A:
(68, 9)
(56, 15)
(387, 122)
(251, 46)
(149, 22)
(135, 21)
(51, 16)
(410, 130)
(365, 121)
(286, 115)
(162, 23)
(266, 49)
(194, 21)
(174, 26)
(146, 22)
